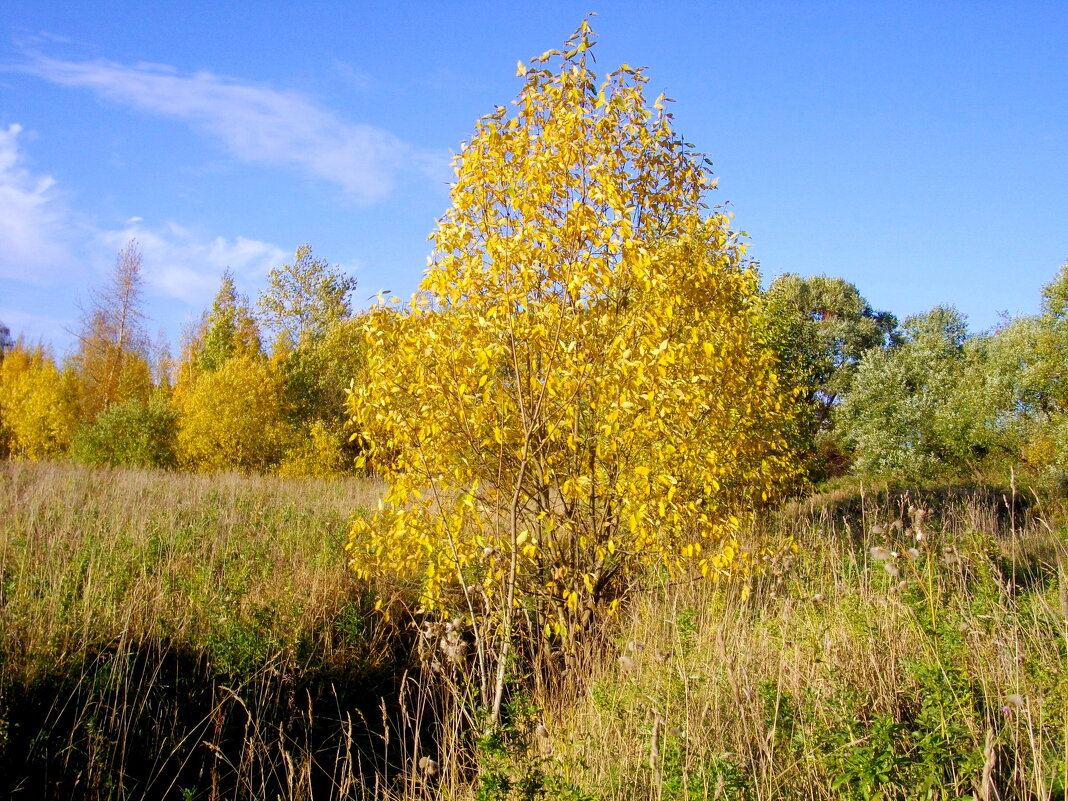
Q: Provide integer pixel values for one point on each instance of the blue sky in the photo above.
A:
(919, 150)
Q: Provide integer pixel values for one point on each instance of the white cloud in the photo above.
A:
(49, 254)
(254, 123)
(34, 220)
(182, 264)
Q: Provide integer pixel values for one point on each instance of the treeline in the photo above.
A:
(922, 399)
(914, 400)
(227, 402)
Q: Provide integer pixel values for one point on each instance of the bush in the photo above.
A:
(580, 391)
(133, 433)
(38, 405)
(232, 417)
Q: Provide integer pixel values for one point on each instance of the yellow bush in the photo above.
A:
(578, 391)
(232, 417)
(38, 404)
(316, 451)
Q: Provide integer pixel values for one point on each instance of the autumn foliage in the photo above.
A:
(38, 404)
(577, 391)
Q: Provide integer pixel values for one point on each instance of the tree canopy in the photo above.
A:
(579, 389)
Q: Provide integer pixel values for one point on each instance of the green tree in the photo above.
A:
(318, 351)
(303, 299)
(316, 382)
(821, 328)
(228, 330)
(131, 433)
(1030, 356)
(1049, 380)
(932, 407)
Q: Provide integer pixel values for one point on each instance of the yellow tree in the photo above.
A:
(578, 390)
(229, 397)
(231, 418)
(111, 361)
(38, 404)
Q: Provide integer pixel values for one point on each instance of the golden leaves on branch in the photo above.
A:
(578, 390)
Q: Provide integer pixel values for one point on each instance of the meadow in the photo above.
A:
(201, 637)
(593, 567)
(186, 636)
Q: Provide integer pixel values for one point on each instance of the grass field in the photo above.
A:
(159, 628)
(848, 672)
(200, 637)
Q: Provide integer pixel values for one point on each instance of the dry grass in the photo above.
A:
(194, 637)
(834, 679)
(94, 557)
(206, 623)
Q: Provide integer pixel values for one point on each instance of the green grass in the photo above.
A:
(221, 604)
(834, 679)
(201, 637)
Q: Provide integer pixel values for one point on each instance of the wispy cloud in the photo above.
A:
(48, 250)
(183, 264)
(34, 220)
(354, 76)
(254, 123)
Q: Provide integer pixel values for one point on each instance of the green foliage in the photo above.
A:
(315, 380)
(925, 408)
(240, 642)
(932, 751)
(821, 328)
(867, 761)
(319, 350)
(512, 766)
(317, 376)
(1033, 359)
(944, 403)
(132, 433)
(303, 299)
(229, 329)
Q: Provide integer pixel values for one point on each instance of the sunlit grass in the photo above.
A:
(211, 624)
(181, 618)
(835, 679)
(94, 557)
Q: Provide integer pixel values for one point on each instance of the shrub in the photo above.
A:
(232, 417)
(133, 433)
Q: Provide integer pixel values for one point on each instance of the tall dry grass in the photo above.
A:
(838, 677)
(167, 635)
(194, 637)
